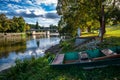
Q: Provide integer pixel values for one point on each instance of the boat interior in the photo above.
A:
(87, 56)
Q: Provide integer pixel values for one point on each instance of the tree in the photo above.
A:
(80, 12)
(22, 24)
(37, 25)
(53, 28)
(6, 26)
(3, 23)
(17, 24)
(1, 28)
(27, 27)
(2, 17)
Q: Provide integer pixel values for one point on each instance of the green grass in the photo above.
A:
(84, 34)
(110, 31)
(113, 31)
(38, 69)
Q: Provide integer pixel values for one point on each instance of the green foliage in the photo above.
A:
(85, 14)
(37, 25)
(109, 73)
(67, 45)
(17, 24)
(38, 69)
(53, 28)
(49, 56)
(110, 42)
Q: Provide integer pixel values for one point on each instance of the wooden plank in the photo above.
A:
(108, 52)
(58, 59)
(71, 61)
(107, 57)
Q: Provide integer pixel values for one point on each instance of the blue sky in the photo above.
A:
(43, 11)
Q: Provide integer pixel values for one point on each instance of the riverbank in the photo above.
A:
(53, 49)
(39, 69)
(11, 34)
(21, 49)
(42, 71)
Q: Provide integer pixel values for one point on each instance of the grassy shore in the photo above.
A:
(38, 69)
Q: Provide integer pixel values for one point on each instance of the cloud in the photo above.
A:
(26, 13)
(13, 7)
(52, 15)
(46, 2)
(3, 11)
(43, 21)
(29, 2)
(17, 0)
(34, 13)
(42, 11)
(46, 22)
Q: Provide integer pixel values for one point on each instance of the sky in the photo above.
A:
(43, 11)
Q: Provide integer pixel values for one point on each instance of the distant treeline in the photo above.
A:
(51, 27)
(16, 24)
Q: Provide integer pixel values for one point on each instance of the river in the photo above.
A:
(23, 48)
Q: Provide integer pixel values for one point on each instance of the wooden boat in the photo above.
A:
(88, 59)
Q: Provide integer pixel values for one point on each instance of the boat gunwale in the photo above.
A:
(106, 60)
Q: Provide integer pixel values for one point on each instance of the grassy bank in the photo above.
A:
(38, 69)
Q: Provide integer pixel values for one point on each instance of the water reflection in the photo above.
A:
(11, 45)
(24, 48)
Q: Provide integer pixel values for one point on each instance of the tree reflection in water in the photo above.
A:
(8, 45)
(23, 48)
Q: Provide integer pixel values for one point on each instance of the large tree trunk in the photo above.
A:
(102, 24)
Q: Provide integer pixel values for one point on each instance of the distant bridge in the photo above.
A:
(44, 29)
(47, 32)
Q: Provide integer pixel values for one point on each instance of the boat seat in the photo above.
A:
(108, 52)
(107, 57)
(58, 59)
(83, 55)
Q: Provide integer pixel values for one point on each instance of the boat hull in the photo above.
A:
(91, 59)
(90, 65)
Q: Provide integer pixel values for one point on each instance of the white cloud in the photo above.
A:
(46, 22)
(28, 11)
(13, 7)
(43, 21)
(39, 11)
(10, 5)
(46, 2)
(3, 11)
(29, 2)
(36, 11)
(32, 11)
(54, 11)
(19, 10)
(16, 0)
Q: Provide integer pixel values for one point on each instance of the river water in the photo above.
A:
(23, 48)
